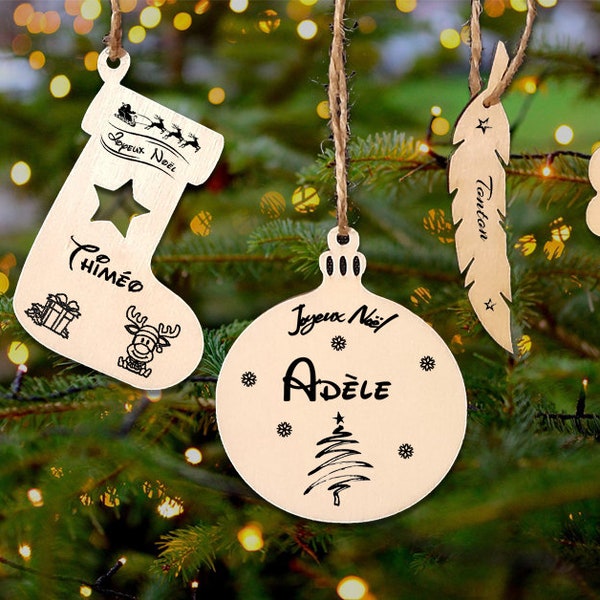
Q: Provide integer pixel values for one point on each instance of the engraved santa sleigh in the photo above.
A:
(103, 306)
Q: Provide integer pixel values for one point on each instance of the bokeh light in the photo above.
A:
(564, 135)
(170, 507)
(269, 21)
(272, 205)
(22, 14)
(352, 588)
(519, 5)
(25, 551)
(72, 7)
(529, 85)
(201, 7)
(250, 537)
(238, 6)
(91, 9)
(547, 3)
(201, 223)
(52, 22)
(305, 199)
(34, 495)
(137, 34)
(494, 8)
(435, 111)
(90, 60)
(4, 283)
(216, 95)
(37, 60)
(182, 21)
(450, 39)
(154, 395)
(150, 17)
(60, 86)
(127, 5)
(526, 244)
(440, 126)
(82, 26)
(367, 24)
(21, 44)
(406, 6)
(20, 173)
(85, 591)
(193, 456)
(323, 109)
(307, 29)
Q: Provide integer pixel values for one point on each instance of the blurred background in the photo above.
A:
(114, 475)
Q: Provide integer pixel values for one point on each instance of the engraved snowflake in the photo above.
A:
(427, 363)
(248, 379)
(284, 429)
(406, 451)
(338, 343)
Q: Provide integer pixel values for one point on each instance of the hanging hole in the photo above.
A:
(343, 265)
(343, 239)
(113, 64)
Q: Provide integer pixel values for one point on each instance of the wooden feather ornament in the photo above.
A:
(477, 175)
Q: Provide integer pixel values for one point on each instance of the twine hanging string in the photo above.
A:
(338, 108)
(476, 51)
(114, 38)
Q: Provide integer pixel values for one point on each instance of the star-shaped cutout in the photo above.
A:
(338, 419)
(483, 125)
(118, 206)
(489, 305)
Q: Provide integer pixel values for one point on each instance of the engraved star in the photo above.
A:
(338, 419)
(118, 206)
(483, 125)
(489, 305)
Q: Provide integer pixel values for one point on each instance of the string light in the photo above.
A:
(352, 588)
(34, 495)
(60, 86)
(25, 551)
(435, 111)
(170, 507)
(423, 147)
(193, 456)
(307, 29)
(250, 537)
(85, 591)
(182, 21)
(547, 168)
(15, 386)
(20, 173)
(154, 395)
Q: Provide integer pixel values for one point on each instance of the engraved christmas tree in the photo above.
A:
(333, 469)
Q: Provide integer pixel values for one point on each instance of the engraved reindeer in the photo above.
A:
(159, 124)
(191, 141)
(147, 340)
(176, 133)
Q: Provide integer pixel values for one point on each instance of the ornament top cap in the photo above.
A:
(342, 262)
(110, 74)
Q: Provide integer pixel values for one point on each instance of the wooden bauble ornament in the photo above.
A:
(592, 213)
(339, 405)
(477, 175)
(87, 291)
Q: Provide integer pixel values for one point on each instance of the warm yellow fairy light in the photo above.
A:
(25, 551)
(193, 456)
(52, 22)
(194, 585)
(91, 9)
(4, 283)
(406, 6)
(269, 21)
(57, 472)
(122, 560)
(20, 173)
(435, 111)
(154, 395)
(305, 199)
(440, 126)
(352, 588)
(238, 6)
(82, 26)
(450, 39)
(564, 135)
(150, 17)
(37, 60)
(18, 353)
(137, 34)
(423, 147)
(307, 29)
(60, 86)
(519, 5)
(216, 95)
(85, 499)
(201, 7)
(23, 14)
(85, 591)
(90, 60)
(110, 498)
(35, 497)
(547, 171)
(526, 244)
(547, 3)
(169, 508)
(182, 21)
(323, 109)
(529, 85)
(250, 537)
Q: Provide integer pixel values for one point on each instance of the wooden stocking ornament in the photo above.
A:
(86, 290)
(339, 405)
(477, 175)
